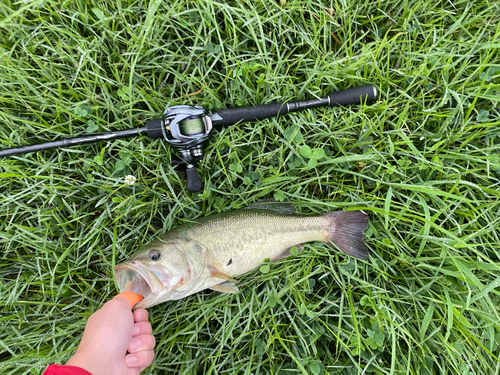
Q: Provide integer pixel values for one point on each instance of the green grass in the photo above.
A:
(424, 161)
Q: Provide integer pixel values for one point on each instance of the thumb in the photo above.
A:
(131, 297)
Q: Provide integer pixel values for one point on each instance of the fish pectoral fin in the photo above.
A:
(214, 272)
(226, 287)
(287, 253)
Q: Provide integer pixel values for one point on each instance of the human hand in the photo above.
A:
(116, 341)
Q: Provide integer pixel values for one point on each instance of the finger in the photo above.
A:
(140, 315)
(142, 328)
(141, 359)
(131, 297)
(120, 303)
(124, 302)
(141, 342)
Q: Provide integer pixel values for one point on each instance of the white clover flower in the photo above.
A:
(130, 180)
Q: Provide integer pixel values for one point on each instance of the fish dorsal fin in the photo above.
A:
(283, 208)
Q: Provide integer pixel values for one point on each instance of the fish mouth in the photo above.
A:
(134, 279)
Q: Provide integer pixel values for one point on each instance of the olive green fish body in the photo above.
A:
(240, 241)
(210, 252)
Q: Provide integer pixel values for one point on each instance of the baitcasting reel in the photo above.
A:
(187, 128)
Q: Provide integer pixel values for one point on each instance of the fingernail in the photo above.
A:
(135, 331)
(134, 344)
(130, 359)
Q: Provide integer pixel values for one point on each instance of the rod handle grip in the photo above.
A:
(154, 128)
(354, 95)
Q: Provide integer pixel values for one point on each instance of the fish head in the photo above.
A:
(160, 271)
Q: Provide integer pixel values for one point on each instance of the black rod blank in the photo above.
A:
(92, 138)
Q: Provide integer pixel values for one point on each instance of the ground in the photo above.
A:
(423, 161)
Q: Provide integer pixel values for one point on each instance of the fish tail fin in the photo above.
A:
(346, 230)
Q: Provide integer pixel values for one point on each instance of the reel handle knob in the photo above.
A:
(193, 181)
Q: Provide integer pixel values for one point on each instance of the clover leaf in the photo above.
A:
(261, 82)
(91, 126)
(136, 78)
(315, 367)
(279, 196)
(213, 49)
(488, 74)
(272, 301)
(318, 153)
(483, 116)
(260, 346)
(124, 92)
(83, 111)
(292, 133)
(306, 152)
(312, 163)
(264, 268)
(312, 154)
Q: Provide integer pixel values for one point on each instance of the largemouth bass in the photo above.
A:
(207, 254)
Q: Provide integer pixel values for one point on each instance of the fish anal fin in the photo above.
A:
(287, 253)
(214, 272)
(225, 287)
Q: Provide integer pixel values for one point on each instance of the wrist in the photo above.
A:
(84, 361)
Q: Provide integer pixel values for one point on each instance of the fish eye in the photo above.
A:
(154, 255)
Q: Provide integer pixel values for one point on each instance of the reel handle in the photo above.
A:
(355, 95)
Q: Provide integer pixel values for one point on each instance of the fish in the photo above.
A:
(211, 252)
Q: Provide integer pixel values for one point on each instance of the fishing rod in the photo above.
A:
(187, 128)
